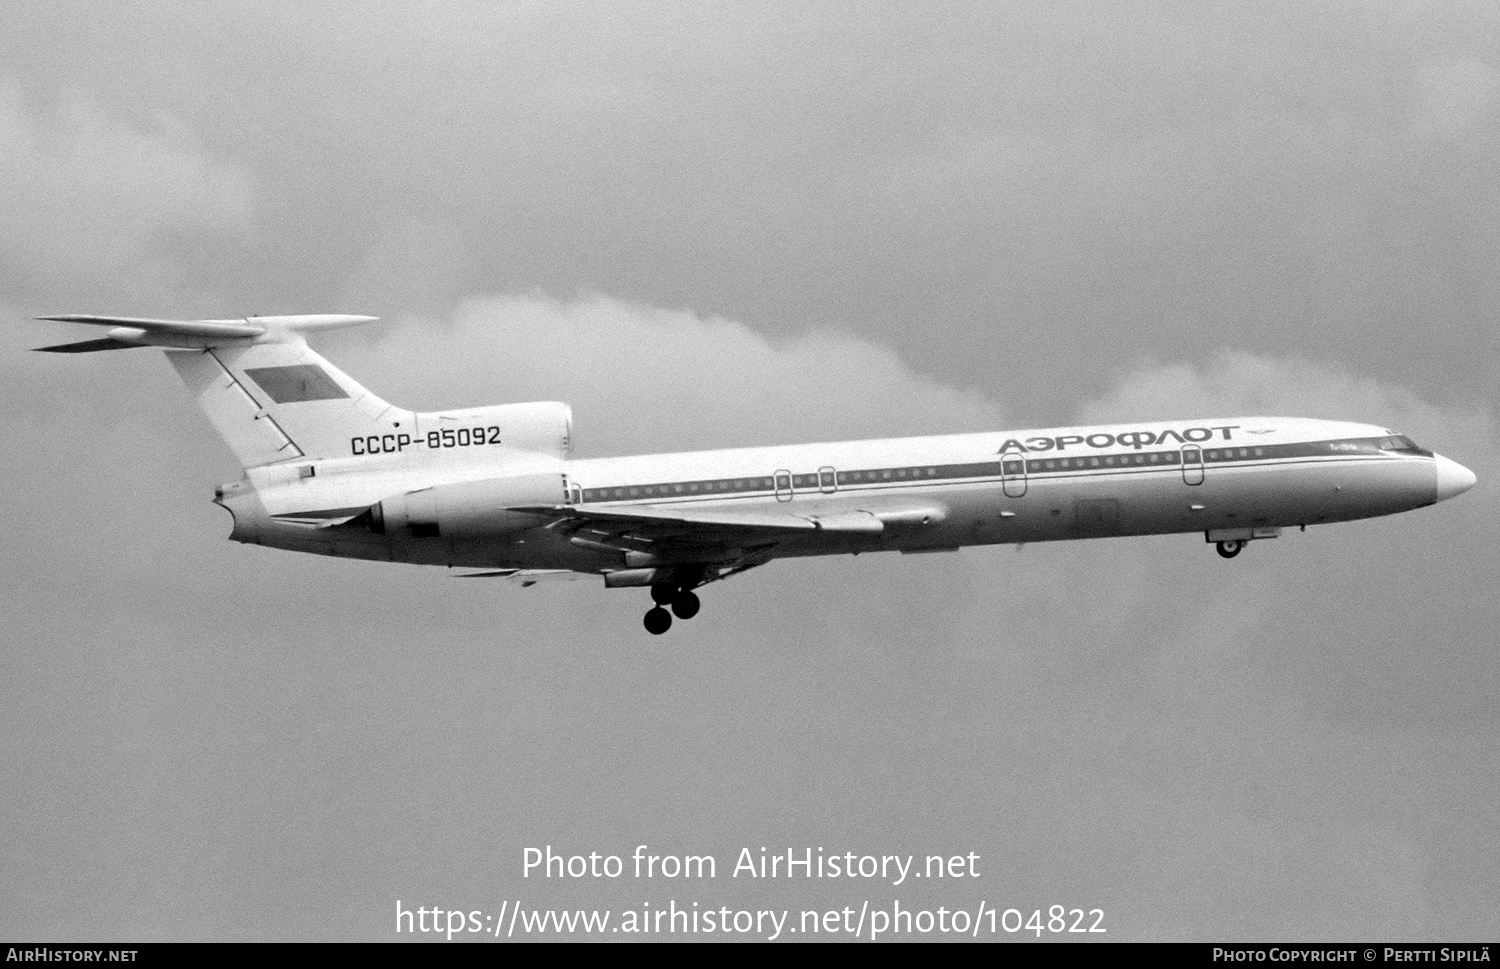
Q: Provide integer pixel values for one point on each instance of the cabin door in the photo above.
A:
(1192, 464)
(1013, 476)
(783, 486)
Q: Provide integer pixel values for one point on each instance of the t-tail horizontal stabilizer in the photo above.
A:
(130, 332)
(89, 346)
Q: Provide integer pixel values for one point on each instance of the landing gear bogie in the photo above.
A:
(685, 604)
(682, 603)
(658, 621)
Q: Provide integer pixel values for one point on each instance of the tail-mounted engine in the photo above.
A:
(540, 427)
(468, 508)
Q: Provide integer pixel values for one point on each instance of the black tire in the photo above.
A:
(658, 621)
(686, 604)
(1229, 550)
(663, 594)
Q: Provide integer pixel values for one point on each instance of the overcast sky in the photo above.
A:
(713, 225)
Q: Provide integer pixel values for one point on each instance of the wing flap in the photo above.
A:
(526, 578)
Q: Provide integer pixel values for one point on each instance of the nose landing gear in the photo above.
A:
(1232, 541)
(1230, 548)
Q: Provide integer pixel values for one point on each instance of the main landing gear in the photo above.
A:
(1230, 549)
(683, 602)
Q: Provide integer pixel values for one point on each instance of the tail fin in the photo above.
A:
(269, 395)
(275, 402)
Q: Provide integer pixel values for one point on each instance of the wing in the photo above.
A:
(667, 520)
(728, 540)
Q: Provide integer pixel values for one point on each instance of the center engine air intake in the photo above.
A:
(539, 427)
(468, 508)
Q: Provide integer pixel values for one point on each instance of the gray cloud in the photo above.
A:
(86, 196)
(1236, 382)
(1459, 93)
(644, 378)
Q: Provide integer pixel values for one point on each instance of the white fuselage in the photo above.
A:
(1234, 478)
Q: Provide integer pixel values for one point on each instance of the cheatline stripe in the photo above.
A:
(1006, 466)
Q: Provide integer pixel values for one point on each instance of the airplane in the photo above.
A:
(331, 469)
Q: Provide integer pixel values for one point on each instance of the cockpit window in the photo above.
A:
(1403, 444)
(1391, 443)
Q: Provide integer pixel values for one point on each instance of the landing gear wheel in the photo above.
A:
(658, 621)
(685, 605)
(663, 594)
(1229, 550)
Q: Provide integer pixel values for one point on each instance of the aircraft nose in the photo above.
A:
(1453, 479)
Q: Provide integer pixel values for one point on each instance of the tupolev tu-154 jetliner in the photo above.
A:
(334, 470)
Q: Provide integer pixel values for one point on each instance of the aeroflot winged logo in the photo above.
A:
(1135, 439)
(331, 469)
